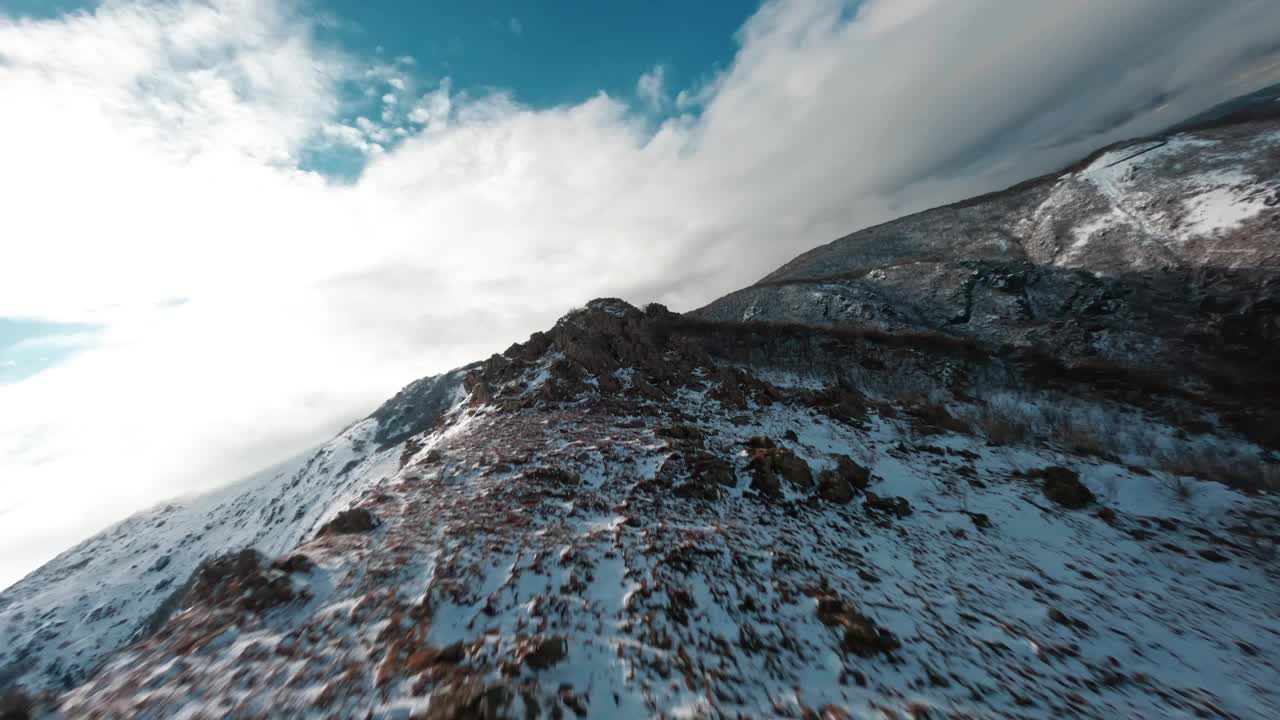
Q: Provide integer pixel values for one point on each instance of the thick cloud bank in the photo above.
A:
(152, 184)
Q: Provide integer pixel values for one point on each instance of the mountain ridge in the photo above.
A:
(960, 484)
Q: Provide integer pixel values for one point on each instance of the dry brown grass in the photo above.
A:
(1001, 425)
(1245, 472)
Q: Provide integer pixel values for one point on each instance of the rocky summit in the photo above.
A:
(1015, 457)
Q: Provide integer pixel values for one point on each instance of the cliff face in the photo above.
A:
(1013, 457)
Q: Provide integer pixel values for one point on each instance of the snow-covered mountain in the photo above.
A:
(1015, 458)
(1162, 251)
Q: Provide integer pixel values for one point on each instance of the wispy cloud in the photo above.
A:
(651, 88)
(515, 26)
(156, 156)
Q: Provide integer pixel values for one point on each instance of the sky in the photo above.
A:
(231, 227)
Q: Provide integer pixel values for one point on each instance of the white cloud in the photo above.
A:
(650, 88)
(515, 26)
(433, 109)
(155, 157)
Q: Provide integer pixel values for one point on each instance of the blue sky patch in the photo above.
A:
(547, 52)
(29, 346)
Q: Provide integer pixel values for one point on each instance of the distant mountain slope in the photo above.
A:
(59, 623)
(1161, 253)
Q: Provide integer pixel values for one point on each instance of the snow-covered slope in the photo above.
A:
(60, 622)
(1190, 200)
(617, 522)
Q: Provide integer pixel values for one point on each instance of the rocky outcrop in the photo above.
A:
(348, 522)
(771, 466)
(839, 484)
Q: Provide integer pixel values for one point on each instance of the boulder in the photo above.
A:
(769, 466)
(1062, 486)
(543, 652)
(347, 522)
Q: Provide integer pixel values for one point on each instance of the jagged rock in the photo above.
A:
(347, 522)
(769, 466)
(709, 468)
(295, 563)
(897, 506)
(481, 392)
(851, 472)
(833, 487)
(239, 577)
(841, 483)
(684, 434)
(542, 653)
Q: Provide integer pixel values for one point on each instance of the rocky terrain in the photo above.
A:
(1163, 251)
(1014, 457)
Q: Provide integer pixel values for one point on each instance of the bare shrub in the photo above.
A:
(906, 388)
(1003, 423)
(1081, 431)
(1231, 467)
